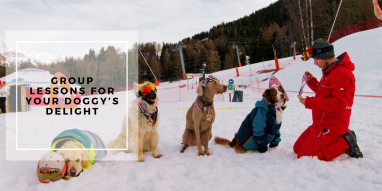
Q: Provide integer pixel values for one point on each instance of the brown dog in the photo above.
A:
(273, 95)
(201, 115)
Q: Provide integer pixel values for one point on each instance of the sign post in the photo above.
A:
(230, 88)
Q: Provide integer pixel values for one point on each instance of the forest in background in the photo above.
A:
(257, 35)
(107, 68)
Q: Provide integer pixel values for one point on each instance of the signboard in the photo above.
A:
(61, 84)
(230, 81)
(230, 89)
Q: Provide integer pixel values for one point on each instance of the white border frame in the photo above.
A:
(127, 95)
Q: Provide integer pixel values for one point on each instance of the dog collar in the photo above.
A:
(277, 105)
(205, 103)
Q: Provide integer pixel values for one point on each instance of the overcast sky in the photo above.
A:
(160, 21)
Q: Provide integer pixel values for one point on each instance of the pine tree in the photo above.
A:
(228, 60)
(155, 67)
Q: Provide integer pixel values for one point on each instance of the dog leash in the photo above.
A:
(302, 84)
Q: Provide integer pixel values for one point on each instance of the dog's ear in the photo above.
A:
(271, 95)
(135, 87)
(266, 94)
(85, 159)
(199, 91)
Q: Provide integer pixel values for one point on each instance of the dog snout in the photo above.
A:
(225, 88)
(73, 172)
(152, 95)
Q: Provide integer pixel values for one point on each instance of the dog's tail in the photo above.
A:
(222, 141)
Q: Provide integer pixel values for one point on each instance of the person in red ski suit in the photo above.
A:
(329, 137)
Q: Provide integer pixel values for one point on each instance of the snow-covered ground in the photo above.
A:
(278, 169)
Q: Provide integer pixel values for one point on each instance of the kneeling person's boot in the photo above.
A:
(352, 132)
(353, 149)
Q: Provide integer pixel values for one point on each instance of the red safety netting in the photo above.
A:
(180, 92)
(116, 89)
(256, 85)
(362, 26)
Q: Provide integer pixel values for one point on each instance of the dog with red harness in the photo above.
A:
(201, 115)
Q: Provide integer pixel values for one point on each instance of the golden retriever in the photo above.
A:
(201, 115)
(78, 159)
(142, 130)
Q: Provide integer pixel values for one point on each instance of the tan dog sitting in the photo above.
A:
(142, 123)
(201, 115)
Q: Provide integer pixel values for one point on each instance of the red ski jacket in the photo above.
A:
(332, 105)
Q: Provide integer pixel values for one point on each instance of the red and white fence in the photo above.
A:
(180, 92)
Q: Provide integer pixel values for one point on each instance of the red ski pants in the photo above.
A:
(315, 142)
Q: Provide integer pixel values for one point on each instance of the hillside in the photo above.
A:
(278, 26)
(277, 169)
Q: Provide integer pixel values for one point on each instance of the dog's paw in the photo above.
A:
(184, 148)
(157, 156)
(141, 159)
(273, 146)
(207, 153)
(67, 177)
(201, 154)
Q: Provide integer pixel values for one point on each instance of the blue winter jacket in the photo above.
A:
(259, 127)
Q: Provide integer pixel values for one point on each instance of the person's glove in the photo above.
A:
(262, 148)
(273, 146)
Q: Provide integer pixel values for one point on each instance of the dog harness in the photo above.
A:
(205, 109)
(153, 115)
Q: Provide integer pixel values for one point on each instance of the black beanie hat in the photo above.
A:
(322, 44)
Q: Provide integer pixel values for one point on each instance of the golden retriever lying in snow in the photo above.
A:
(78, 160)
